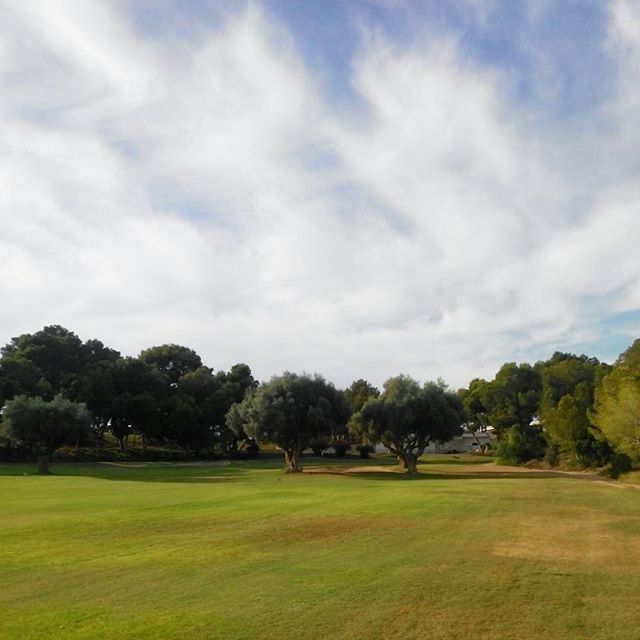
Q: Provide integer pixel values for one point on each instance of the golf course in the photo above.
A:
(347, 549)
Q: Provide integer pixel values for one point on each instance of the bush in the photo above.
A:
(552, 455)
(12, 452)
(365, 450)
(248, 451)
(252, 449)
(620, 463)
(341, 447)
(520, 444)
(318, 446)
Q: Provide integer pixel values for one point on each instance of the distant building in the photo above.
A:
(467, 442)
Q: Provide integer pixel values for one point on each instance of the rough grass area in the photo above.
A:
(194, 551)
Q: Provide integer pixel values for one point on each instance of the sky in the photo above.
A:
(359, 188)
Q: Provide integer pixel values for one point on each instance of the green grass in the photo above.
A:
(172, 551)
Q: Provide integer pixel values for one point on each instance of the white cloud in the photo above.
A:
(207, 193)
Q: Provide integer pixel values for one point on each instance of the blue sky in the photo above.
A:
(356, 188)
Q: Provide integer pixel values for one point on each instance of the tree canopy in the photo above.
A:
(291, 410)
(406, 417)
(617, 404)
(173, 360)
(44, 425)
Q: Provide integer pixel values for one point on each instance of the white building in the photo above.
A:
(467, 442)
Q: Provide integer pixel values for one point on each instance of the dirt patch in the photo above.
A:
(351, 470)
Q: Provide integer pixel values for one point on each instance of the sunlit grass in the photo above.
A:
(163, 550)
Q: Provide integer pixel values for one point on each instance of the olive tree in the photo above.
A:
(43, 425)
(290, 411)
(406, 417)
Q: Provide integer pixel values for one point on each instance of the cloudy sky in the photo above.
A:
(354, 187)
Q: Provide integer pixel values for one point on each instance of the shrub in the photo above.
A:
(341, 447)
(318, 445)
(620, 463)
(365, 450)
(520, 444)
(552, 455)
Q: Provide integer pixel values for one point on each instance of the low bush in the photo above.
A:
(341, 448)
(365, 451)
(318, 446)
(520, 444)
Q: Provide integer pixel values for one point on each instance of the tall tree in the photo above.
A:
(407, 417)
(139, 390)
(562, 373)
(21, 376)
(617, 404)
(568, 384)
(358, 393)
(172, 360)
(512, 397)
(56, 352)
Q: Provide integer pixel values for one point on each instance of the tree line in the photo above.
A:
(571, 409)
(57, 390)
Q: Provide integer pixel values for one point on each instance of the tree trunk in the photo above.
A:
(292, 458)
(43, 465)
(409, 463)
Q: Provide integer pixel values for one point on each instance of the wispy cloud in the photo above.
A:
(206, 191)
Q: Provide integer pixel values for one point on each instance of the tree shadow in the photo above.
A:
(457, 460)
(206, 472)
(184, 472)
(421, 476)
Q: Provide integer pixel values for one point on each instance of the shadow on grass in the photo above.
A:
(395, 474)
(456, 460)
(206, 472)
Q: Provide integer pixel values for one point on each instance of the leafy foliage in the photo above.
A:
(513, 395)
(520, 444)
(173, 360)
(291, 411)
(617, 404)
(43, 425)
(406, 417)
(358, 393)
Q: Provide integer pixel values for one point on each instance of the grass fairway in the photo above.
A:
(242, 551)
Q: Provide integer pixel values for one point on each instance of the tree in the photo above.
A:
(173, 360)
(520, 443)
(96, 387)
(512, 397)
(139, 390)
(56, 352)
(21, 376)
(568, 384)
(53, 360)
(231, 388)
(474, 400)
(617, 404)
(43, 425)
(569, 430)
(184, 424)
(562, 373)
(407, 417)
(358, 393)
(291, 410)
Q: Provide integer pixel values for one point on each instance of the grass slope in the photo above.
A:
(242, 551)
